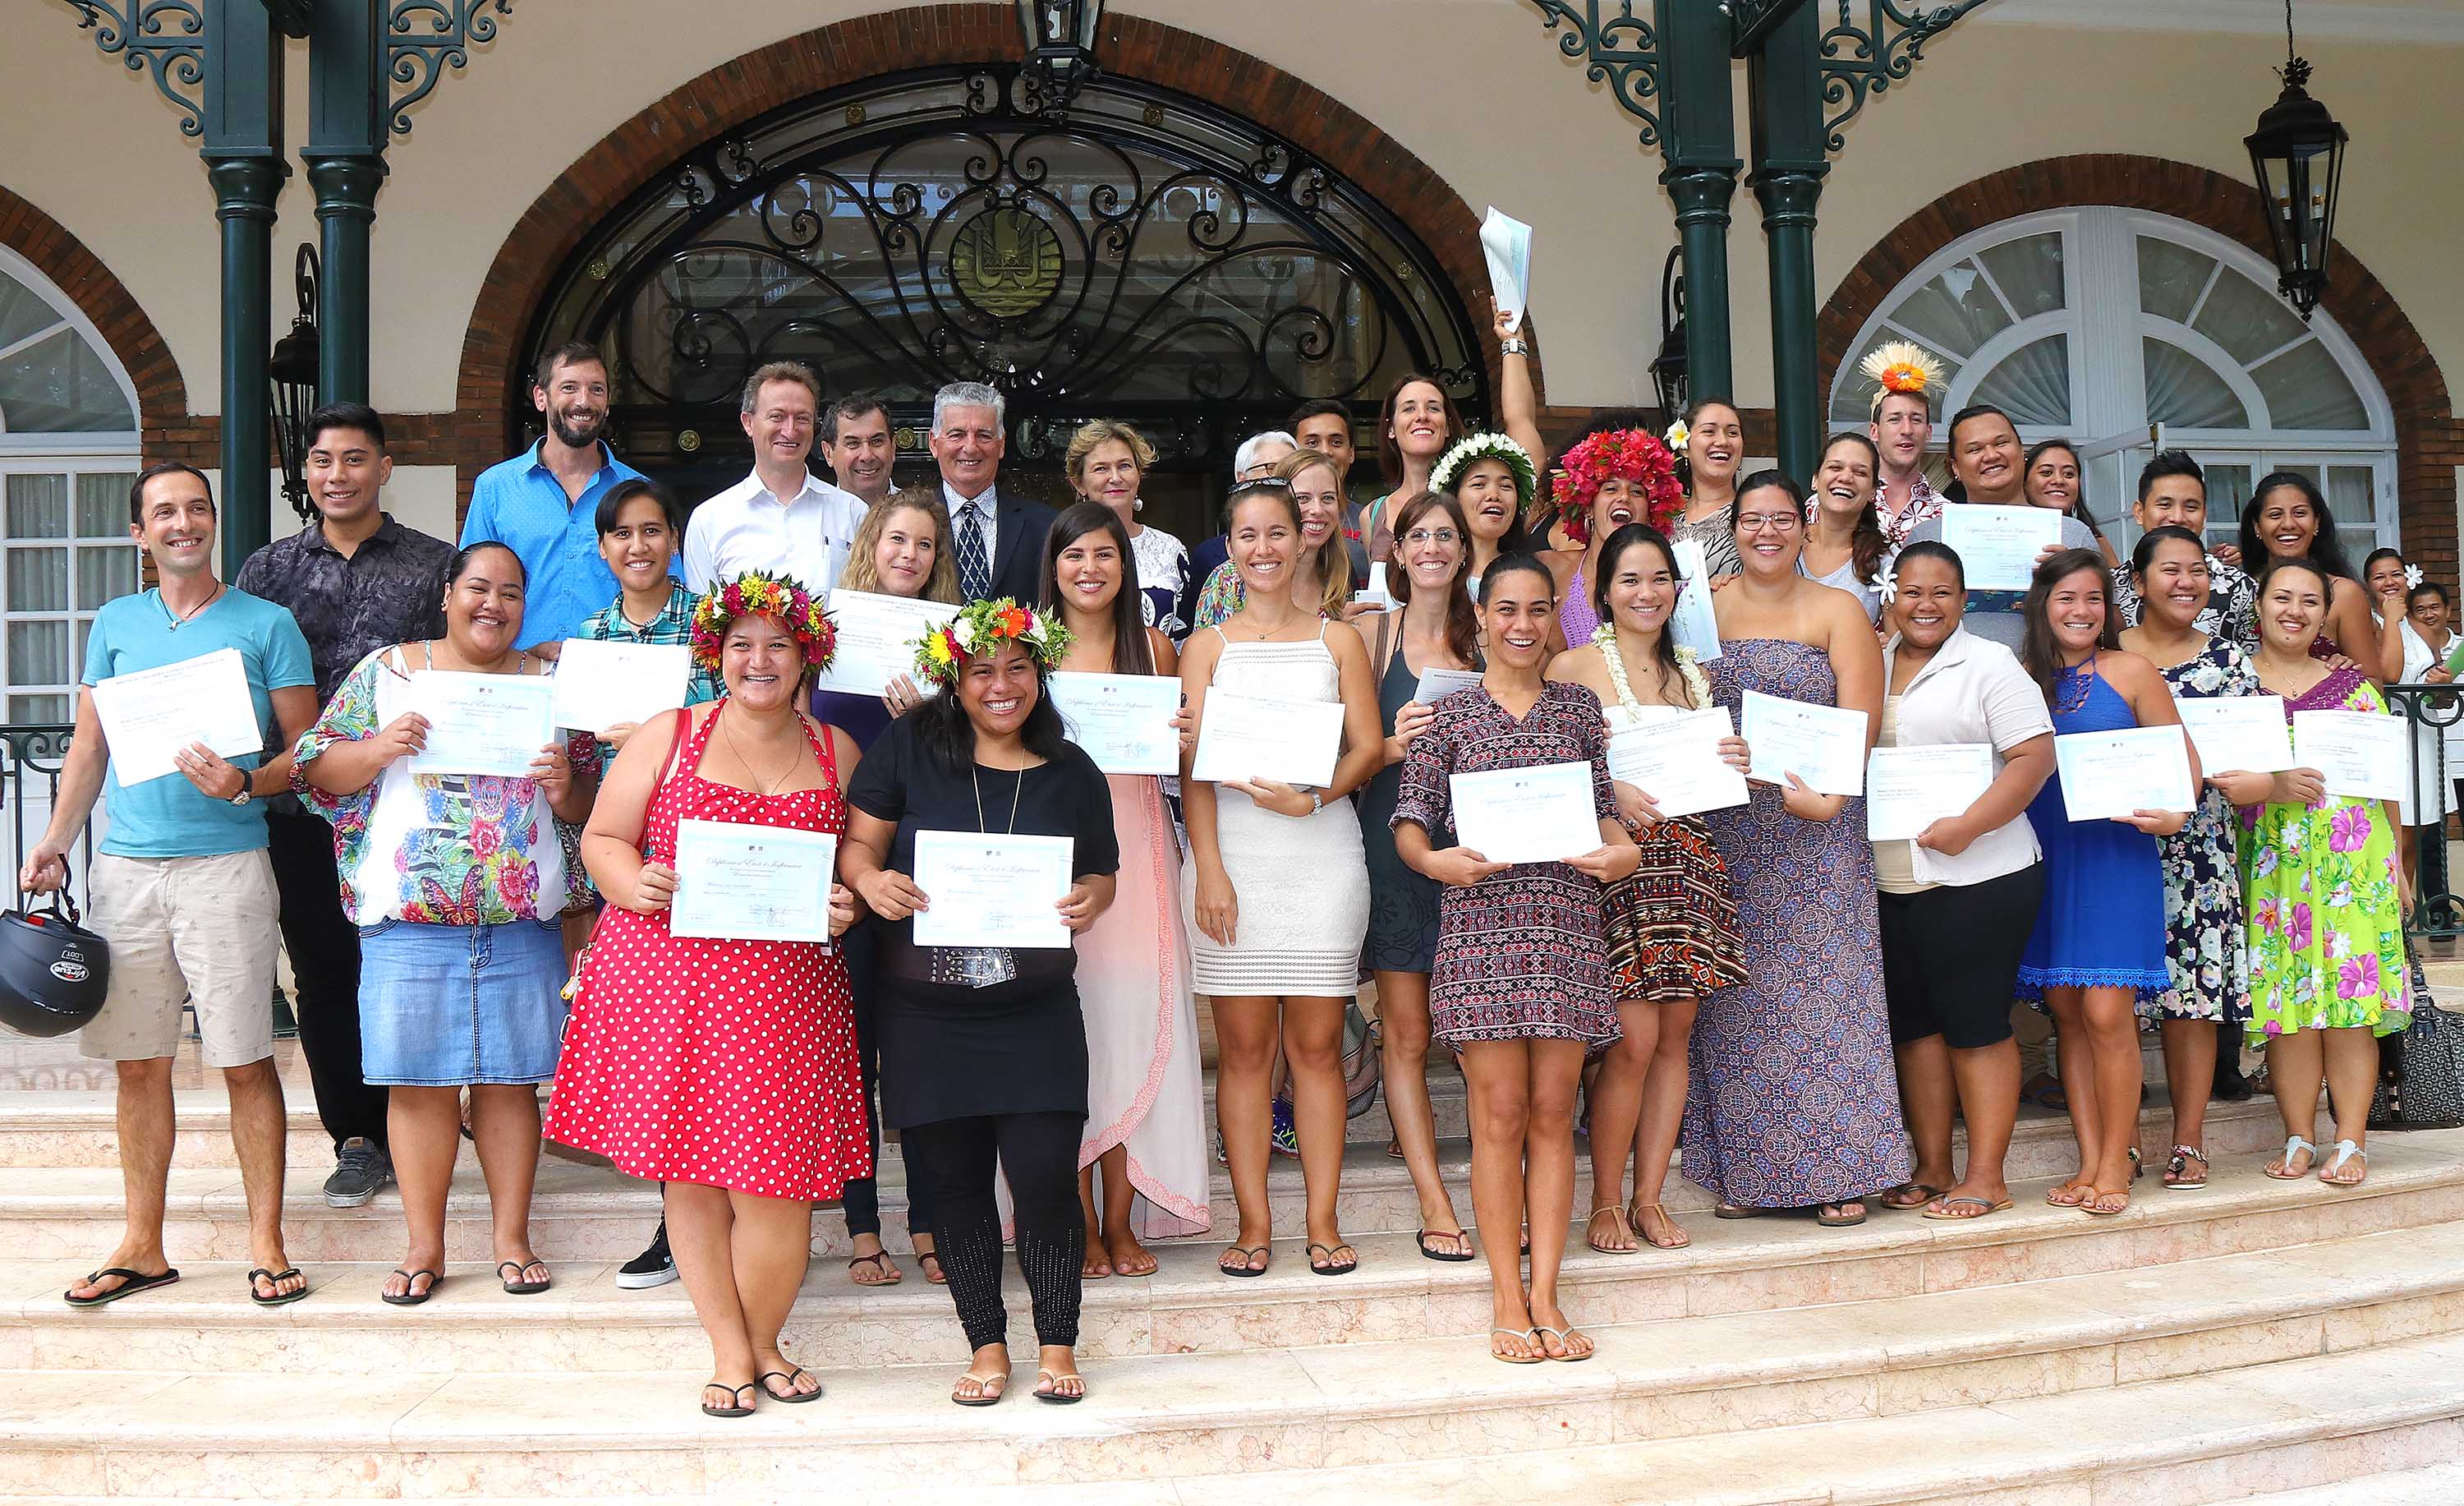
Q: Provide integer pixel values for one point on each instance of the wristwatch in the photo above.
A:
(246, 794)
(1317, 802)
(1514, 348)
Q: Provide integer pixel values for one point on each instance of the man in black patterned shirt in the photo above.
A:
(357, 581)
(2173, 490)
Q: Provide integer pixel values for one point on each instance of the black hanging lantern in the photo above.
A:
(1059, 47)
(2297, 153)
(1668, 368)
(293, 384)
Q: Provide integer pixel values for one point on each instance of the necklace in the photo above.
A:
(180, 619)
(1697, 688)
(794, 760)
(975, 773)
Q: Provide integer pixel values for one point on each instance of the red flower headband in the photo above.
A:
(1622, 454)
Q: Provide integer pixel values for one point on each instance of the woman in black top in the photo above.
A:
(982, 1050)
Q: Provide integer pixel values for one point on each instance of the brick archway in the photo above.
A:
(162, 395)
(2430, 440)
(648, 145)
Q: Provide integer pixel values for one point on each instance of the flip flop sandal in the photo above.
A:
(1619, 1214)
(1925, 1194)
(992, 1388)
(1152, 1266)
(2346, 1150)
(733, 1392)
(2294, 1145)
(1056, 1398)
(1244, 1268)
(1532, 1333)
(1679, 1243)
(1942, 1209)
(1449, 1256)
(1084, 1274)
(2093, 1206)
(1394, 1150)
(275, 1280)
(891, 1276)
(2177, 1169)
(1739, 1210)
(2080, 1192)
(131, 1282)
(411, 1297)
(518, 1287)
(791, 1396)
(934, 1275)
(1560, 1334)
(1842, 1220)
(1329, 1268)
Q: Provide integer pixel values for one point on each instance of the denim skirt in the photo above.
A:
(446, 1005)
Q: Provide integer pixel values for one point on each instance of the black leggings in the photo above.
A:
(1038, 1153)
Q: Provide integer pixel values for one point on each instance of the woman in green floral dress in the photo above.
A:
(2327, 899)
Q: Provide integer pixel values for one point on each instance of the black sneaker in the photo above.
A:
(652, 1267)
(2230, 1086)
(360, 1168)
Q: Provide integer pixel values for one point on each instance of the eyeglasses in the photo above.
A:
(1432, 535)
(1756, 522)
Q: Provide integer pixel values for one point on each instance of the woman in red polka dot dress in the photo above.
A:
(724, 1069)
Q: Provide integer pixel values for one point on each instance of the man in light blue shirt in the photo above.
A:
(181, 888)
(543, 504)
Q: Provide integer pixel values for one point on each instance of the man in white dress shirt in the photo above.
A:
(997, 538)
(856, 441)
(781, 517)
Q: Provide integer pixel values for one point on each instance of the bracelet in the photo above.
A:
(1514, 346)
(1317, 802)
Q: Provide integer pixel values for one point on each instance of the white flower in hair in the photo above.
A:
(2412, 576)
(1888, 585)
(1677, 435)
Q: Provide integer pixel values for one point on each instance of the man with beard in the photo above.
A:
(543, 504)
(856, 441)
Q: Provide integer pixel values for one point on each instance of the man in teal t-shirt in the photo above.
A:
(181, 887)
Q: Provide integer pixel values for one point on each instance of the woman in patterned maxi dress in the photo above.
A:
(1521, 981)
(725, 1069)
(1794, 1100)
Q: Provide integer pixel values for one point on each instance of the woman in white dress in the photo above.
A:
(1146, 1098)
(1276, 885)
(1106, 462)
(2426, 797)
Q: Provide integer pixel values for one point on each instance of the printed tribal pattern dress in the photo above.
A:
(2326, 919)
(2206, 947)
(1521, 955)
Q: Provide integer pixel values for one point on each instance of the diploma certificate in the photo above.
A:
(482, 723)
(1122, 721)
(1997, 546)
(1676, 761)
(1375, 593)
(2237, 732)
(1505, 242)
(876, 640)
(1694, 624)
(2363, 754)
(1436, 684)
(2110, 774)
(1822, 745)
(599, 684)
(1541, 814)
(990, 889)
(1250, 736)
(1908, 789)
(150, 715)
(751, 883)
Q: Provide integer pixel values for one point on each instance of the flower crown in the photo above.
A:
(756, 595)
(1487, 447)
(1622, 454)
(983, 626)
(1901, 367)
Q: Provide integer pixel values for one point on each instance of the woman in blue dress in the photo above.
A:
(2098, 945)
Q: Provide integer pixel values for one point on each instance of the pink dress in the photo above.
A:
(729, 1063)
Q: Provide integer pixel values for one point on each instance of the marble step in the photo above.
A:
(584, 1209)
(587, 1325)
(1968, 1368)
(2433, 1484)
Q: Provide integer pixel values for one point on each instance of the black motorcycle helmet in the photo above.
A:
(53, 972)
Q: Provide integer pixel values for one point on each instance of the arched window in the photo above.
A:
(68, 452)
(2093, 324)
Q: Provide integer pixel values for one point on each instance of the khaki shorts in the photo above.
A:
(185, 930)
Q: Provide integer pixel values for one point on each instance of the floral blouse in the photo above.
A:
(434, 849)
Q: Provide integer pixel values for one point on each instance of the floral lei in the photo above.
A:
(983, 626)
(1487, 447)
(755, 593)
(1625, 454)
(1688, 670)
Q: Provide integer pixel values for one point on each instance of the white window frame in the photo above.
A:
(2100, 251)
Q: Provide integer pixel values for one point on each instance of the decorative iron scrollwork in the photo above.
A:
(1621, 51)
(1861, 60)
(165, 39)
(423, 39)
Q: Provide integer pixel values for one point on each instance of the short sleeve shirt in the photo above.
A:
(169, 817)
(520, 505)
(1994, 615)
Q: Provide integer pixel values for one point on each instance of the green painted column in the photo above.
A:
(346, 167)
(1784, 82)
(243, 155)
(1699, 146)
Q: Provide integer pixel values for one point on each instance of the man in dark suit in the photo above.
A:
(998, 539)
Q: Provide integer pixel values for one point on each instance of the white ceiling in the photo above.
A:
(2432, 21)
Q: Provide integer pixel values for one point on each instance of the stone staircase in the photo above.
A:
(2281, 1340)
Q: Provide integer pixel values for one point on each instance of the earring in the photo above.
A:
(1137, 504)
